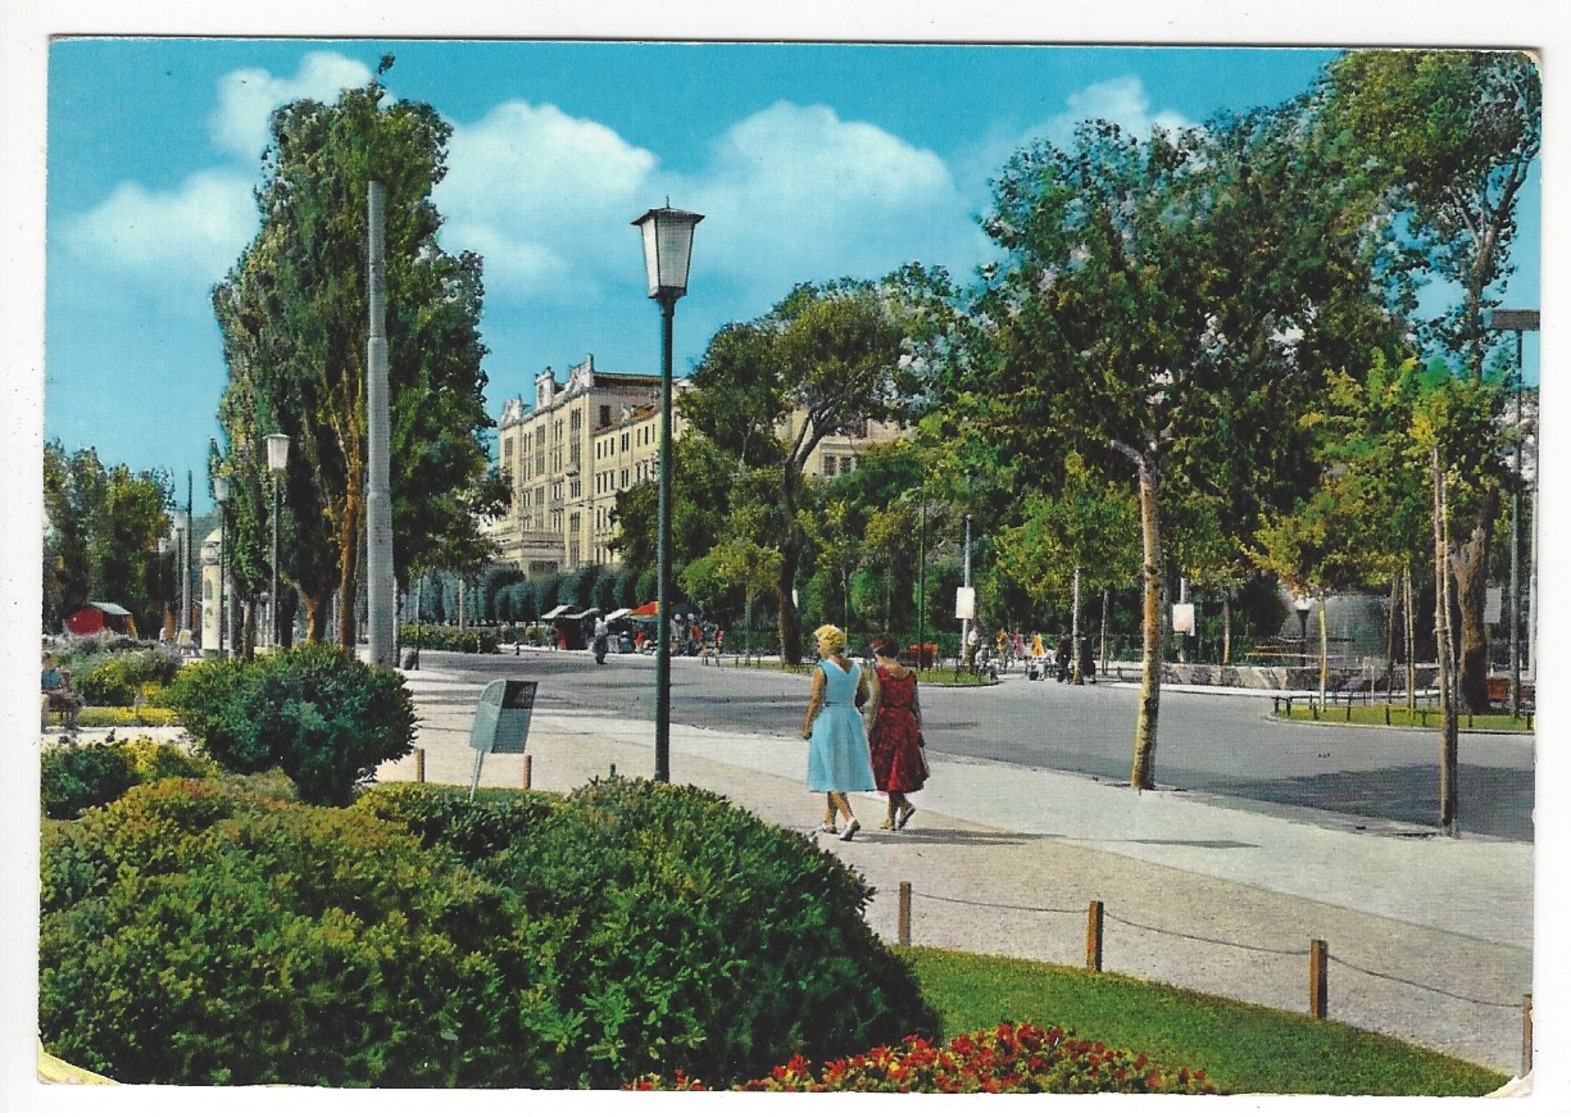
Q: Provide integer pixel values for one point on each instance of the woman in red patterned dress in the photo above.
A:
(894, 735)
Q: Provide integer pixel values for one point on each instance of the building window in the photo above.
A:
(605, 414)
(507, 450)
(829, 465)
(624, 442)
(624, 478)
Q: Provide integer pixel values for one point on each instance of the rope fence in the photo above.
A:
(1319, 955)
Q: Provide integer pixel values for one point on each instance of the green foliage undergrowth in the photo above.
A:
(318, 713)
(197, 933)
(74, 777)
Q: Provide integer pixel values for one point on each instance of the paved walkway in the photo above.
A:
(1430, 938)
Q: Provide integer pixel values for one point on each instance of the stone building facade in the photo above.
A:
(590, 438)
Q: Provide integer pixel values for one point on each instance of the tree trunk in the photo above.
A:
(248, 612)
(349, 566)
(1409, 622)
(790, 622)
(1471, 565)
(1227, 628)
(1448, 728)
(1143, 771)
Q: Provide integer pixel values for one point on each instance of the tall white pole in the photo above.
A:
(379, 509)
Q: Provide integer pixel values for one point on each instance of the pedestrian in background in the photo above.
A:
(894, 733)
(837, 756)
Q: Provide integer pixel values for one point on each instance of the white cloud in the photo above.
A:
(189, 235)
(1123, 101)
(247, 98)
(545, 197)
(795, 193)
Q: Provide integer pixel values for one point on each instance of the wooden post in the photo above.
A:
(420, 765)
(1094, 937)
(613, 771)
(529, 770)
(1527, 1034)
(904, 933)
(1319, 953)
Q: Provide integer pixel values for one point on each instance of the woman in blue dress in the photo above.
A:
(837, 755)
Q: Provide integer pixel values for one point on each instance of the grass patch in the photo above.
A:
(1243, 1048)
(1401, 717)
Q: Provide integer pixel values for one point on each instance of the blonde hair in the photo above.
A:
(831, 636)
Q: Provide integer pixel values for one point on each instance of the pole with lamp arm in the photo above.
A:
(221, 498)
(183, 561)
(1302, 605)
(668, 250)
(277, 462)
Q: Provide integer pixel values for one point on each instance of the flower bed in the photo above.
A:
(1008, 1059)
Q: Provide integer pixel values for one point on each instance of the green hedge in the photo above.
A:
(74, 777)
(194, 936)
(197, 935)
(447, 639)
(317, 712)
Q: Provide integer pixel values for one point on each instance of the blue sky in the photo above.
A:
(810, 161)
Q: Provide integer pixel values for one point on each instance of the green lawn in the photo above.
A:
(1396, 715)
(1244, 1049)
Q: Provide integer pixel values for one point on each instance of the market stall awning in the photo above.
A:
(555, 613)
(618, 614)
(652, 609)
(580, 615)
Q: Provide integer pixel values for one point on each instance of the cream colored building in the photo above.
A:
(590, 438)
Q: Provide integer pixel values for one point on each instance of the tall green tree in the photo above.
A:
(834, 353)
(1450, 138)
(102, 528)
(294, 315)
(1166, 308)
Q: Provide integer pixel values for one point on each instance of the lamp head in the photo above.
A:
(668, 250)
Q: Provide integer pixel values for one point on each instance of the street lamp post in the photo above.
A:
(183, 560)
(221, 498)
(277, 462)
(1518, 321)
(668, 250)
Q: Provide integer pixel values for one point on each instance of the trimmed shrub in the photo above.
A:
(194, 934)
(318, 713)
(74, 777)
(122, 676)
(703, 936)
(199, 937)
(439, 638)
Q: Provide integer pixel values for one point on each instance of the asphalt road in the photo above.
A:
(1221, 743)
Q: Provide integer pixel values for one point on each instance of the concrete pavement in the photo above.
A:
(1430, 938)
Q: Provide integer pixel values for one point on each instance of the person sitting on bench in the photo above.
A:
(57, 693)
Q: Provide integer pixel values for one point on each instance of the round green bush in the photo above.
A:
(317, 712)
(75, 777)
(705, 938)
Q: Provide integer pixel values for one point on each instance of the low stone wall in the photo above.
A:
(1256, 677)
